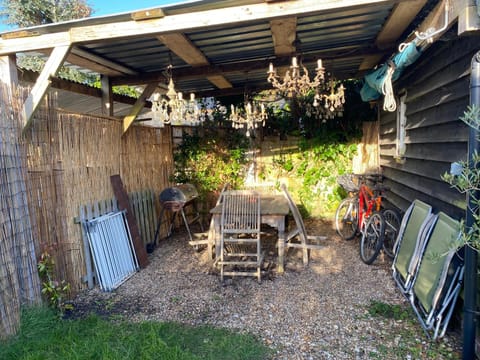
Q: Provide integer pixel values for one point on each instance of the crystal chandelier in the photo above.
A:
(250, 117)
(296, 81)
(174, 109)
(327, 102)
(334, 100)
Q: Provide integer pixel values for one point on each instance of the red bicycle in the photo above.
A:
(360, 213)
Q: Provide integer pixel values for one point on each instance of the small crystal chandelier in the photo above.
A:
(174, 109)
(250, 117)
(294, 82)
(333, 100)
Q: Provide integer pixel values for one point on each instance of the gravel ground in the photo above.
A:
(317, 312)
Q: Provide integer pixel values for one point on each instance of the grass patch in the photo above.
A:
(44, 336)
(389, 311)
(409, 339)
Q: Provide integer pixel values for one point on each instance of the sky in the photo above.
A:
(108, 7)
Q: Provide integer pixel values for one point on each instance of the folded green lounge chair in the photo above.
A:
(413, 232)
(438, 279)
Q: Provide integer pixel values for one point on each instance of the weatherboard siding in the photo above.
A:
(437, 87)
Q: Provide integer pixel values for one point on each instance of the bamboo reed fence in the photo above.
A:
(71, 158)
(63, 161)
(19, 281)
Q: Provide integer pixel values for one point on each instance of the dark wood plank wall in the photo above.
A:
(437, 88)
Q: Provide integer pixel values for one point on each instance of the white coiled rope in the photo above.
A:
(389, 103)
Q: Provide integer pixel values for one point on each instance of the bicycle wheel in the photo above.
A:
(346, 218)
(392, 225)
(372, 238)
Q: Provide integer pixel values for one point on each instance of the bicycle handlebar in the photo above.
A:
(348, 183)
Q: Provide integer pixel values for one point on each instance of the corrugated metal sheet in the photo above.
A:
(347, 31)
(343, 37)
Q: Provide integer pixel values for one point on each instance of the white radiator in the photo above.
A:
(112, 249)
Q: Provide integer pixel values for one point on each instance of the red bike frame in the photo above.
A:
(367, 200)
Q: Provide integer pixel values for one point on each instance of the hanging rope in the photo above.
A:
(389, 103)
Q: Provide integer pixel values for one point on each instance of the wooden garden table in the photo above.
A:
(274, 210)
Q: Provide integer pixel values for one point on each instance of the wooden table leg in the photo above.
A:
(216, 237)
(281, 244)
(211, 240)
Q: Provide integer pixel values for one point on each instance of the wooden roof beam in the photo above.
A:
(185, 49)
(445, 14)
(178, 23)
(468, 17)
(66, 85)
(284, 34)
(87, 60)
(188, 73)
(440, 20)
(398, 21)
(401, 17)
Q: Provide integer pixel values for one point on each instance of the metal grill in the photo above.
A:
(175, 199)
(112, 249)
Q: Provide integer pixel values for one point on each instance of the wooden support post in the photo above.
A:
(8, 69)
(50, 69)
(107, 96)
(139, 105)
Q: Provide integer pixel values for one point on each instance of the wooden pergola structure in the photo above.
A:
(219, 47)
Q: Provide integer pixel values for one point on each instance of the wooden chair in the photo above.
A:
(240, 248)
(305, 240)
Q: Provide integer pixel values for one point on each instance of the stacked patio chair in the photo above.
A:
(240, 248)
(428, 267)
(438, 279)
(416, 224)
(307, 242)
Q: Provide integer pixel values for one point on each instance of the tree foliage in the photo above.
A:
(468, 182)
(25, 13)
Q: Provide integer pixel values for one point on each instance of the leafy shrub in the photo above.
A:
(55, 291)
(210, 160)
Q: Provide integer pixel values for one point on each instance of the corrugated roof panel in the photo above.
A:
(340, 29)
(195, 85)
(342, 37)
(144, 55)
(233, 33)
(241, 43)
